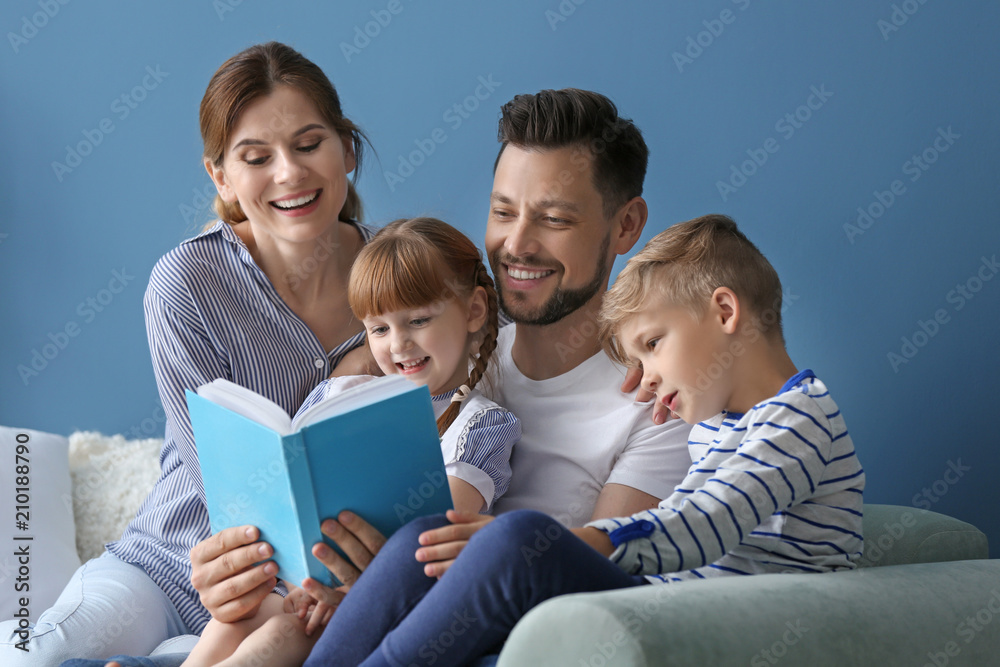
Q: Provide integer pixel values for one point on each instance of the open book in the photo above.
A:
(373, 449)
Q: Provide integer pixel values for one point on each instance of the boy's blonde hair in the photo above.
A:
(685, 264)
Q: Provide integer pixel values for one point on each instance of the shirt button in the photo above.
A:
(319, 363)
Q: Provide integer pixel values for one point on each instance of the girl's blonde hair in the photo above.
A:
(255, 73)
(414, 262)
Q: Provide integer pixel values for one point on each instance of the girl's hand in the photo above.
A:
(441, 546)
(301, 603)
(227, 572)
(298, 601)
(321, 612)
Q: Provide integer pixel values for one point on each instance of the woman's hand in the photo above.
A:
(440, 547)
(358, 361)
(227, 572)
(632, 379)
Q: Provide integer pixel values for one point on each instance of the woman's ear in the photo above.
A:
(218, 176)
(477, 309)
(725, 309)
(350, 159)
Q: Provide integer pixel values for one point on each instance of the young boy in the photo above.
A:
(775, 485)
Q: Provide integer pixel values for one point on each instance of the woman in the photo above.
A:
(258, 298)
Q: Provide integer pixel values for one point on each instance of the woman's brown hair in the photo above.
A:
(255, 73)
(414, 262)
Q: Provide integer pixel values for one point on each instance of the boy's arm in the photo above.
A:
(778, 464)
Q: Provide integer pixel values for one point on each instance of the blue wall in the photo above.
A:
(903, 102)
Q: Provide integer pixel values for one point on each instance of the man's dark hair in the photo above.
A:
(570, 117)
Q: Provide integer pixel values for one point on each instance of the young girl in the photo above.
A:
(430, 313)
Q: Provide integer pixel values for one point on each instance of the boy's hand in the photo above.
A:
(597, 539)
(633, 377)
(441, 546)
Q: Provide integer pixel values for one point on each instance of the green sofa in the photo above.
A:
(924, 594)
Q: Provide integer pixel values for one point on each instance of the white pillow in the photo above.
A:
(52, 558)
(111, 477)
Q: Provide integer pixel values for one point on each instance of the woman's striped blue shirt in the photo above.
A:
(211, 312)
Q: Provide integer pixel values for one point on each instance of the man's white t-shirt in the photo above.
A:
(579, 432)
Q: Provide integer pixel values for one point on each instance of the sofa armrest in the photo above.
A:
(899, 614)
(895, 535)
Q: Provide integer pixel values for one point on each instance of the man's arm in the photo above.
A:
(620, 500)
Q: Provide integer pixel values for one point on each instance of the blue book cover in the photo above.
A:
(374, 450)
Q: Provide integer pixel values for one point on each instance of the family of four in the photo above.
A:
(290, 296)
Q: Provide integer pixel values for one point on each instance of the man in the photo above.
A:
(566, 201)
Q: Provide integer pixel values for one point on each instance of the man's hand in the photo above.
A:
(227, 572)
(632, 379)
(356, 538)
(441, 546)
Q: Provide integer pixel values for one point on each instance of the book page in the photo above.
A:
(247, 403)
(364, 394)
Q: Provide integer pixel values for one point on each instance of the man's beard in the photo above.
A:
(561, 303)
